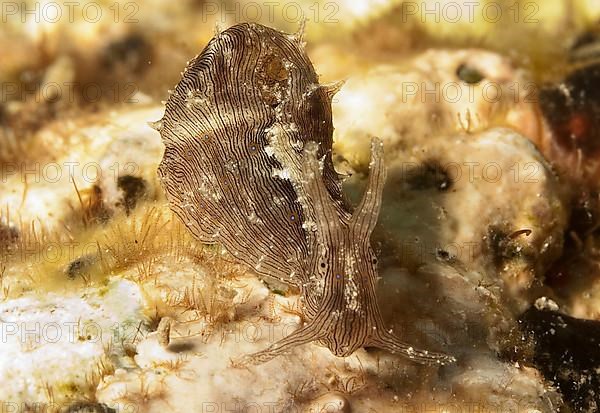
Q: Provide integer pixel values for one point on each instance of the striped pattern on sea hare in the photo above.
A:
(247, 164)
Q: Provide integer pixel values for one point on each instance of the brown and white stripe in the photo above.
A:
(247, 164)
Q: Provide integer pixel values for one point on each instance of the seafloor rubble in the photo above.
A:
(486, 241)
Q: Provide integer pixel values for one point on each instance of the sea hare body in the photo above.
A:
(247, 164)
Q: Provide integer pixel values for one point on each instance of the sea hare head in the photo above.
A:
(344, 267)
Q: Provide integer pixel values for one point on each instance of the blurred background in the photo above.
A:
(111, 51)
(61, 59)
(466, 259)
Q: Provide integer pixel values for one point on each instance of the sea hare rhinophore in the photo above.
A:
(247, 164)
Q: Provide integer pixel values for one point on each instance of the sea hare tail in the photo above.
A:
(304, 335)
(386, 341)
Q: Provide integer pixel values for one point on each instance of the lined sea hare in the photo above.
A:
(248, 164)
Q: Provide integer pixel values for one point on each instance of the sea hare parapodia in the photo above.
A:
(248, 136)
